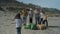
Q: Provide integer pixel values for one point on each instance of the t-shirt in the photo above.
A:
(30, 14)
(36, 13)
(41, 15)
(45, 17)
(18, 22)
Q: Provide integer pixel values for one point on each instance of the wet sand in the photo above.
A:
(7, 25)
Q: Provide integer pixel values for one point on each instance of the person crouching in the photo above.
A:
(43, 18)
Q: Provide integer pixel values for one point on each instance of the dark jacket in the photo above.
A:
(17, 16)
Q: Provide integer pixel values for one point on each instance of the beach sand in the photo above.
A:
(7, 25)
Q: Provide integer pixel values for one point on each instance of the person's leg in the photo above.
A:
(46, 23)
(36, 20)
(30, 20)
(18, 30)
(24, 20)
(39, 20)
(43, 22)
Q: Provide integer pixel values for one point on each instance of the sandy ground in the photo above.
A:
(7, 25)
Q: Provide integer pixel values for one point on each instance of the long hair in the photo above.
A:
(18, 16)
(24, 12)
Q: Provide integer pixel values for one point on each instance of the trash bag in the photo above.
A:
(30, 26)
(25, 27)
(33, 26)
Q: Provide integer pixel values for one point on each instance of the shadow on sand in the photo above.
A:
(53, 26)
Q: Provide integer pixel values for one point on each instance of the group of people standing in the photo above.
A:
(21, 18)
(40, 16)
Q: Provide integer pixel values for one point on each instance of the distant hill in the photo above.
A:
(21, 4)
(52, 10)
(11, 3)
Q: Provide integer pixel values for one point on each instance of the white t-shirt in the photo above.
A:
(18, 22)
(36, 13)
(30, 14)
(41, 15)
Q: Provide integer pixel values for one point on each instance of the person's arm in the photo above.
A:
(14, 18)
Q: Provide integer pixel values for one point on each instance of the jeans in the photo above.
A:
(37, 20)
(41, 20)
(24, 19)
(18, 30)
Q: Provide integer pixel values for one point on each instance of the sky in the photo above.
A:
(44, 3)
